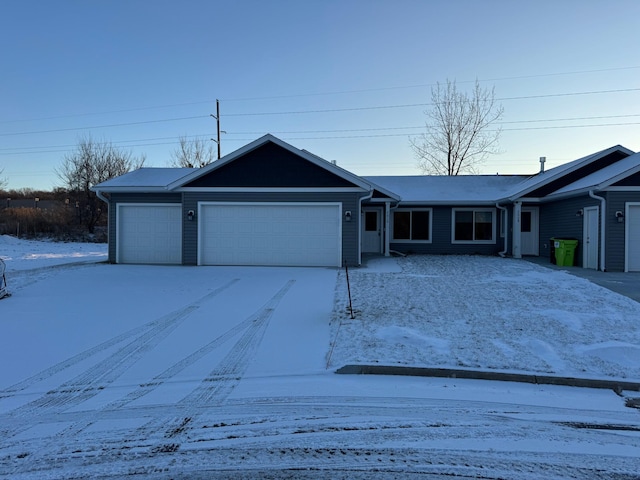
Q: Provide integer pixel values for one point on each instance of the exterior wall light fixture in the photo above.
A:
(620, 216)
(347, 216)
(191, 215)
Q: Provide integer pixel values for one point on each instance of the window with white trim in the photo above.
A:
(412, 225)
(473, 225)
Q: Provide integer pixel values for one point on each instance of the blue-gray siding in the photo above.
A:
(560, 220)
(441, 237)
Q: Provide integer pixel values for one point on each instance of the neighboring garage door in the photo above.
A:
(149, 233)
(633, 237)
(270, 234)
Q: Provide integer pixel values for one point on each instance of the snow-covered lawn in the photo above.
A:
(126, 371)
(484, 313)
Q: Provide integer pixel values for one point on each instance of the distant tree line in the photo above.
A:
(73, 211)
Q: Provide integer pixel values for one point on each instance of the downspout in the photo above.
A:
(517, 211)
(102, 197)
(360, 200)
(603, 236)
(506, 230)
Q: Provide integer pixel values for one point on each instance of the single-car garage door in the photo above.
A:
(633, 237)
(285, 234)
(149, 233)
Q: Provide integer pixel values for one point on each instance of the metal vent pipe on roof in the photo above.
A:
(542, 160)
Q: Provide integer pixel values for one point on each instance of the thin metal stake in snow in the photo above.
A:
(346, 270)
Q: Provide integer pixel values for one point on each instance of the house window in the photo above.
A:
(371, 221)
(412, 225)
(474, 225)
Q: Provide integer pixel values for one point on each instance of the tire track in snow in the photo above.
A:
(82, 356)
(93, 380)
(158, 380)
(222, 380)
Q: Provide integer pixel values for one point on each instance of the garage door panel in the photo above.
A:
(633, 238)
(280, 234)
(149, 234)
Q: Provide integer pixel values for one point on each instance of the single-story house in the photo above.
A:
(269, 203)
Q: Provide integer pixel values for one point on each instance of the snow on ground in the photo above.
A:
(484, 313)
(31, 254)
(125, 371)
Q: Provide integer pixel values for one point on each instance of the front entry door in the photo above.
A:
(590, 238)
(372, 231)
(529, 231)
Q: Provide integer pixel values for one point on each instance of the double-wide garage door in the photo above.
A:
(149, 233)
(270, 234)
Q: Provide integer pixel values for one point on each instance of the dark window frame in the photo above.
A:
(472, 228)
(413, 232)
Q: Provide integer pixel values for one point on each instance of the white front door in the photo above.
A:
(529, 234)
(590, 237)
(632, 237)
(372, 231)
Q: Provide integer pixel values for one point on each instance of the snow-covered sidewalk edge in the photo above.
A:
(618, 385)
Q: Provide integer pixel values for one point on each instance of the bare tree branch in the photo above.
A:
(195, 153)
(93, 163)
(458, 137)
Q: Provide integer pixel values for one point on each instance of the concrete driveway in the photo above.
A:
(627, 284)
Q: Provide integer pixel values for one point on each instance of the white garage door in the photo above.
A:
(149, 233)
(633, 237)
(270, 234)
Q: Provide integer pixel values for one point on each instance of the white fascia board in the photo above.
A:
(130, 189)
(270, 189)
(630, 188)
(585, 161)
(449, 203)
(340, 172)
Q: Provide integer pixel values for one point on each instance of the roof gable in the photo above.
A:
(623, 173)
(556, 178)
(271, 163)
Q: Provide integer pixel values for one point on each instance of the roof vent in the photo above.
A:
(542, 160)
(335, 162)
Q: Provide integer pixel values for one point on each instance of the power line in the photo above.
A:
(412, 105)
(57, 148)
(103, 126)
(339, 92)
(423, 85)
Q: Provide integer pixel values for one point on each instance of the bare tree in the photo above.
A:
(458, 136)
(3, 181)
(90, 164)
(195, 153)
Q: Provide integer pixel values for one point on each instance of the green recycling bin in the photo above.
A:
(565, 249)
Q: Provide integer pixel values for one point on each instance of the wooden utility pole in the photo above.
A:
(217, 117)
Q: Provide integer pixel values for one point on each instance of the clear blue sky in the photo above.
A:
(141, 73)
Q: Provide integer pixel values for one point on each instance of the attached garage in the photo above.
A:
(149, 233)
(633, 237)
(284, 234)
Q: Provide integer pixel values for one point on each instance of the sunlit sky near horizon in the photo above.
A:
(347, 80)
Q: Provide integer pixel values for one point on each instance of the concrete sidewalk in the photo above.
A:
(627, 284)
